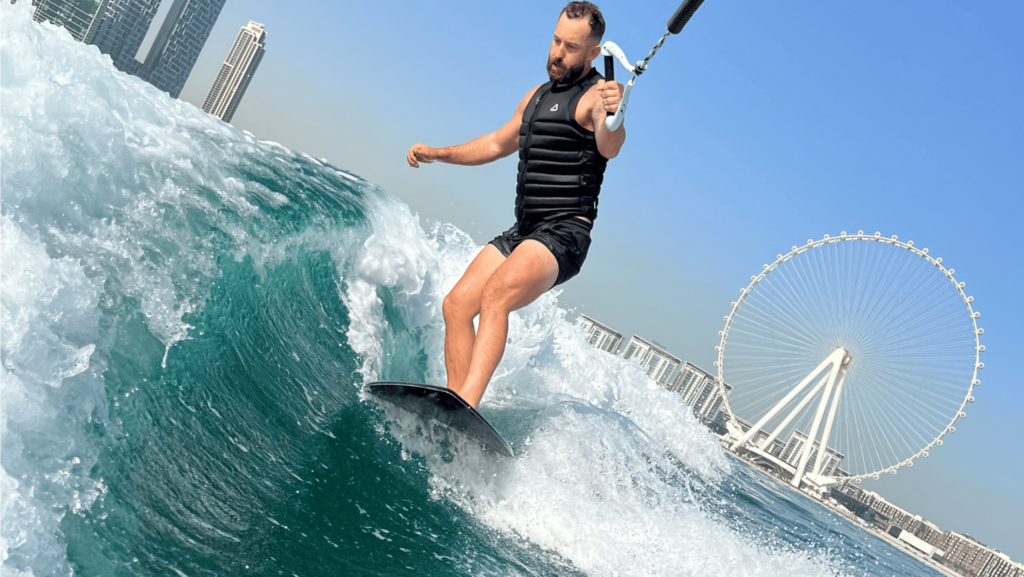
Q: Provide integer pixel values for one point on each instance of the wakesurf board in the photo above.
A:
(441, 405)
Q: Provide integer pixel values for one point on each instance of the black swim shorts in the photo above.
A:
(568, 240)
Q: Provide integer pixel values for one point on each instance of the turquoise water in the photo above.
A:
(189, 315)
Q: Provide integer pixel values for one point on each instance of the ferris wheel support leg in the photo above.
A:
(828, 424)
(805, 455)
(833, 359)
(792, 414)
(838, 370)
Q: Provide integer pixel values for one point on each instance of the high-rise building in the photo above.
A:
(700, 391)
(178, 44)
(655, 359)
(118, 28)
(236, 72)
(79, 17)
(599, 335)
(121, 28)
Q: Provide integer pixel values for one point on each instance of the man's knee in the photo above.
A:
(495, 298)
(458, 306)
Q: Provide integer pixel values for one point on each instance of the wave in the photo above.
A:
(188, 316)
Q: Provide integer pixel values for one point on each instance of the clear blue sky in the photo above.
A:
(760, 126)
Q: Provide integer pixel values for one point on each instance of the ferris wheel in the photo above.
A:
(848, 357)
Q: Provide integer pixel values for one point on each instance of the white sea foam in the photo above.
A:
(49, 335)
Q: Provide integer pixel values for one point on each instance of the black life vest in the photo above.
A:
(560, 168)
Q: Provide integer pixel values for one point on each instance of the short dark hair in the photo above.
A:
(575, 10)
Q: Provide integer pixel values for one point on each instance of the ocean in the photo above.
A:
(189, 315)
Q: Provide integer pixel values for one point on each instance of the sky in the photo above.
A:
(760, 126)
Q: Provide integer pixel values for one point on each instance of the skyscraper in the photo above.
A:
(236, 72)
(178, 44)
(121, 28)
(80, 17)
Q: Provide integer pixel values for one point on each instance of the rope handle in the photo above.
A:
(612, 52)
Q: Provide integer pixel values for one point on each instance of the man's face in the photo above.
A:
(570, 49)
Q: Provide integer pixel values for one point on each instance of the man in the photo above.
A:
(563, 146)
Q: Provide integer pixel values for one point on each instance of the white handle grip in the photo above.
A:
(612, 49)
(613, 122)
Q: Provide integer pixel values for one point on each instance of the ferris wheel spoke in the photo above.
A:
(806, 283)
(786, 287)
(872, 438)
(890, 421)
(760, 322)
(897, 421)
(908, 395)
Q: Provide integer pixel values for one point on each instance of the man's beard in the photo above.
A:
(571, 74)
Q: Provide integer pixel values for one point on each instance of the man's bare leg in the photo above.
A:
(460, 307)
(528, 272)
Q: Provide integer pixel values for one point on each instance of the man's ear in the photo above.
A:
(594, 52)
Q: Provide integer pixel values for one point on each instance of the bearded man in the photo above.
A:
(558, 129)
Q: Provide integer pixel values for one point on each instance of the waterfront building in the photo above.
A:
(653, 357)
(236, 72)
(925, 531)
(121, 28)
(79, 17)
(1000, 565)
(744, 424)
(923, 547)
(959, 552)
(720, 424)
(795, 446)
(700, 391)
(178, 44)
(775, 449)
(964, 553)
(892, 514)
(599, 335)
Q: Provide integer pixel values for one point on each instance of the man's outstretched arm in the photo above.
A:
(487, 148)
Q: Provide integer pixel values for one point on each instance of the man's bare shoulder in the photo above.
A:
(526, 99)
(530, 94)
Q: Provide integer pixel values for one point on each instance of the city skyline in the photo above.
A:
(959, 552)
